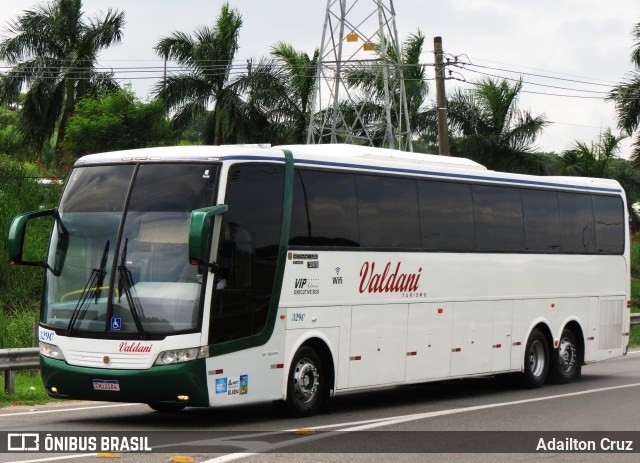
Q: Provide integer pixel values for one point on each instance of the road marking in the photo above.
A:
(378, 423)
(58, 410)
(62, 457)
(258, 447)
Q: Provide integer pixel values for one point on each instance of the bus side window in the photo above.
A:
(248, 251)
(234, 258)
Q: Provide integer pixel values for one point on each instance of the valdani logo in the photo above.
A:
(390, 280)
(135, 347)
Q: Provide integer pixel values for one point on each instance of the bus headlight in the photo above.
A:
(51, 351)
(169, 357)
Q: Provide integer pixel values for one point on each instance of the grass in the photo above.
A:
(634, 335)
(28, 390)
(16, 328)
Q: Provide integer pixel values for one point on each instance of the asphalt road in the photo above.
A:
(480, 419)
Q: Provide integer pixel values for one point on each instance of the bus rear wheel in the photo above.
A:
(566, 361)
(306, 384)
(536, 360)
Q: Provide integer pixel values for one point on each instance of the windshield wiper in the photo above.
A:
(126, 283)
(93, 287)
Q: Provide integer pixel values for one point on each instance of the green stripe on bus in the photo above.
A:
(264, 336)
(158, 384)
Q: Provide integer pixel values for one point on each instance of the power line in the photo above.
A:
(542, 85)
(608, 83)
(217, 68)
(539, 75)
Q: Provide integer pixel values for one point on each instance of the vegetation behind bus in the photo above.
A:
(23, 187)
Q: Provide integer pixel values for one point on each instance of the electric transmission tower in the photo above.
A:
(359, 95)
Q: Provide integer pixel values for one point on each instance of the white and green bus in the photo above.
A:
(215, 276)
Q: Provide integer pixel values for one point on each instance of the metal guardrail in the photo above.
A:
(29, 357)
(17, 359)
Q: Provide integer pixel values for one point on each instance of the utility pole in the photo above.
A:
(164, 75)
(441, 102)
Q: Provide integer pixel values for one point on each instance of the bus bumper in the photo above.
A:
(180, 384)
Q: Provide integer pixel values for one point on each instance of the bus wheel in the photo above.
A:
(306, 389)
(166, 408)
(536, 361)
(566, 361)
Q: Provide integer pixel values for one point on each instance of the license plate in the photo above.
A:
(106, 385)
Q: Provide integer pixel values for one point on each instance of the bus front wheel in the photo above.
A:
(566, 361)
(536, 360)
(306, 384)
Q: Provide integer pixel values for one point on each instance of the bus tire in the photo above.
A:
(166, 408)
(536, 361)
(306, 384)
(566, 360)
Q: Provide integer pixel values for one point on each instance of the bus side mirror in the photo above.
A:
(200, 228)
(15, 243)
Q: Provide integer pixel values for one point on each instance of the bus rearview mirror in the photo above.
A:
(200, 228)
(17, 231)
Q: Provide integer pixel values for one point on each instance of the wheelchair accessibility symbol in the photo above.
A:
(116, 323)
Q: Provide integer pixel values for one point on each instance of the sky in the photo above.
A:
(568, 52)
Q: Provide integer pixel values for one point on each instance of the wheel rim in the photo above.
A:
(536, 358)
(566, 355)
(306, 380)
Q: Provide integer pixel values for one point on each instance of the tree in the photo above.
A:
(11, 141)
(368, 78)
(208, 58)
(53, 53)
(601, 159)
(116, 120)
(487, 126)
(626, 97)
(281, 89)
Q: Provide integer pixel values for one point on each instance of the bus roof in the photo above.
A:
(349, 157)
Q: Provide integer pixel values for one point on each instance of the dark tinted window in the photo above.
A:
(248, 251)
(498, 214)
(324, 209)
(446, 215)
(541, 221)
(576, 213)
(388, 212)
(184, 187)
(97, 189)
(609, 218)
(345, 209)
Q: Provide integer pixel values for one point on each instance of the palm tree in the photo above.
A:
(281, 90)
(626, 97)
(53, 53)
(368, 78)
(592, 160)
(487, 126)
(208, 80)
(601, 159)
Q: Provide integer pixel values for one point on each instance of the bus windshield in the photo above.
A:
(125, 269)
